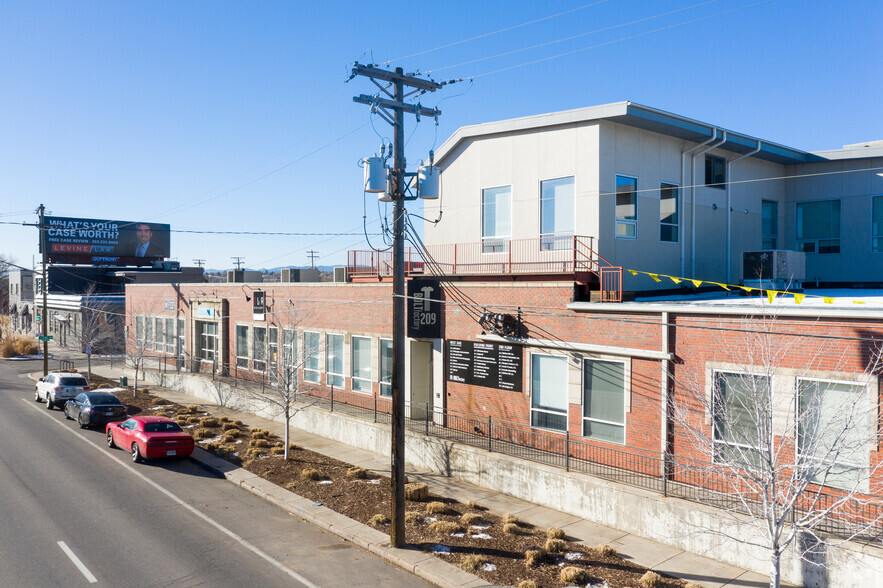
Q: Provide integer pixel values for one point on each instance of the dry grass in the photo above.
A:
(259, 443)
(445, 527)
(412, 517)
(310, 474)
(473, 504)
(555, 533)
(573, 575)
(102, 386)
(650, 580)
(230, 435)
(418, 492)
(512, 529)
(260, 434)
(527, 584)
(229, 427)
(200, 434)
(379, 519)
(534, 557)
(471, 518)
(510, 518)
(224, 419)
(555, 545)
(254, 452)
(158, 400)
(472, 562)
(357, 473)
(293, 447)
(277, 451)
(436, 508)
(209, 422)
(192, 420)
(606, 550)
(692, 585)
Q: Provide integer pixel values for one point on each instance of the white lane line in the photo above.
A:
(265, 556)
(80, 566)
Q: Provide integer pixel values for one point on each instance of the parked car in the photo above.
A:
(95, 408)
(59, 387)
(150, 437)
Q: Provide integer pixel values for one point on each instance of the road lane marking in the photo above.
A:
(265, 556)
(80, 566)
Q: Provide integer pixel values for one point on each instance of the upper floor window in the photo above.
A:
(769, 224)
(818, 226)
(877, 224)
(626, 207)
(669, 208)
(496, 219)
(715, 171)
(556, 213)
(242, 346)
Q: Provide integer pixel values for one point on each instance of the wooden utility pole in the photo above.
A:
(45, 287)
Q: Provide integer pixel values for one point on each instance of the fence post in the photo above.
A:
(426, 420)
(489, 424)
(375, 408)
(332, 397)
(567, 451)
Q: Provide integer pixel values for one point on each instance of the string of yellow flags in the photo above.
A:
(770, 294)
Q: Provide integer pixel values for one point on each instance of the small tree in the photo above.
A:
(139, 342)
(789, 450)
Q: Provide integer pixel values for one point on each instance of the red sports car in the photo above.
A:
(150, 437)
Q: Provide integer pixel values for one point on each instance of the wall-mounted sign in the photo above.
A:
(492, 365)
(169, 305)
(109, 242)
(259, 305)
(424, 309)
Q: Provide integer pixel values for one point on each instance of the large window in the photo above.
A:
(604, 400)
(139, 331)
(289, 356)
(386, 368)
(361, 364)
(334, 360)
(208, 340)
(182, 341)
(259, 349)
(242, 346)
(626, 207)
(273, 353)
(669, 209)
(833, 435)
(311, 357)
(496, 219)
(877, 224)
(170, 335)
(548, 398)
(818, 226)
(742, 418)
(715, 171)
(556, 213)
(769, 224)
(160, 333)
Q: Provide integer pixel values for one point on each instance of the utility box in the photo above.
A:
(340, 274)
(294, 274)
(776, 269)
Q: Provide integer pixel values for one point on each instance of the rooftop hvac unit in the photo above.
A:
(775, 269)
(235, 276)
(290, 274)
(340, 274)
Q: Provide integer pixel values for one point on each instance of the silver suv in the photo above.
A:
(59, 387)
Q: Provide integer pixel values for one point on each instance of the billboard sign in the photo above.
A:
(105, 242)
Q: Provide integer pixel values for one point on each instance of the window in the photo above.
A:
(740, 403)
(715, 171)
(877, 224)
(556, 213)
(669, 207)
(148, 332)
(311, 357)
(259, 349)
(769, 224)
(386, 368)
(182, 330)
(818, 226)
(170, 335)
(604, 400)
(273, 352)
(160, 333)
(242, 346)
(139, 331)
(548, 402)
(208, 340)
(289, 356)
(334, 360)
(626, 207)
(496, 219)
(361, 364)
(833, 433)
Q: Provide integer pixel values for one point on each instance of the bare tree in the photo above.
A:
(5, 262)
(785, 442)
(98, 319)
(139, 342)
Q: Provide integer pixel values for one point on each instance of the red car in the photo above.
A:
(149, 437)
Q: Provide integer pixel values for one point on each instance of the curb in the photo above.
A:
(426, 566)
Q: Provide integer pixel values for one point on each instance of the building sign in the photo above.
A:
(169, 305)
(477, 363)
(424, 309)
(205, 312)
(259, 305)
(105, 242)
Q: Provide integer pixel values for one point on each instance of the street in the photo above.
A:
(77, 513)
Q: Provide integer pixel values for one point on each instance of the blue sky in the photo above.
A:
(234, 116)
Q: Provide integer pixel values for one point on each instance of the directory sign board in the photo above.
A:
(479, 363)
(105, 242)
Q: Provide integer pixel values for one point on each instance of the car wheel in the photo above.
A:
(48, 402)
(136, 453)
(110, 442)
(66, 415)
(36, 395)
(81, 421)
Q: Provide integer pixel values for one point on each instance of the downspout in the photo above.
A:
(693, 198)
(730, 208)
(666, 365)
(684, 184)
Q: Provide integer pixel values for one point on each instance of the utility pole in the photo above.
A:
(199, 262)
(382, 106)
(313, 255)
(45, 287)
(238, 262)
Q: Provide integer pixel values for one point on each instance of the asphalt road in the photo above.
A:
(75, 513)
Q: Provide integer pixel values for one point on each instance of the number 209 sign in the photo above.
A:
(424, 309)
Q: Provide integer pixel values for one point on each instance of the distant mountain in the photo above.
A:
(323, 268)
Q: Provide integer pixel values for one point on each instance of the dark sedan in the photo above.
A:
(95, 408)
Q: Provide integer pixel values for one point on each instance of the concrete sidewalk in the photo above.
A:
(645, 552)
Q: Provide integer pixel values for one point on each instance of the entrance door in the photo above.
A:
(421, 379)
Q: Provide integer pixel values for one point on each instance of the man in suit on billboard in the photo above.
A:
(143, 246)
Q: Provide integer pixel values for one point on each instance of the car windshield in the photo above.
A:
(104, 399)
(73, 381)
(161, 427)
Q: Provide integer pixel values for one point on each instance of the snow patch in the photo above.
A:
(480, 527)
(480, 536)
(572, 555)
(457, 534)
(488, 567)
(326, 481)
(430, 520)
(443, 549)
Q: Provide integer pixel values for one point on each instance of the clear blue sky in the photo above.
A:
(234, 116)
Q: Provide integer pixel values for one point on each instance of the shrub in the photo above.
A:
(512, 529)
(510, 518)
(555, 533)
(418, 492)
(7, 348)
(230, 435)
(102, 386)
(445, 527)
(379, 519)
(293, 447)
(210, 422)
(437, 508)
(144, 391)
(606, 550)
(555, 545)
(471, 518)
(158, 400)
(527, 584)
(224, 419)
(239, 424)
(650, 580)
(277, 451)
(253, 452)
(357, 473)
(259, 434)
(573, 575)
(473, 504)
(310, 474)
(412, 517)
(259, 443)
(213, 446)
(192, 409)
(692, 585)
(227, 426)
(193, 420)
(25, 346)
(199, 434)
(472, 562)
(534, 557)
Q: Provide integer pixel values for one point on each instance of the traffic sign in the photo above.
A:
(45, 337)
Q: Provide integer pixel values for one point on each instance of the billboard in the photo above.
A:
(105, 242)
